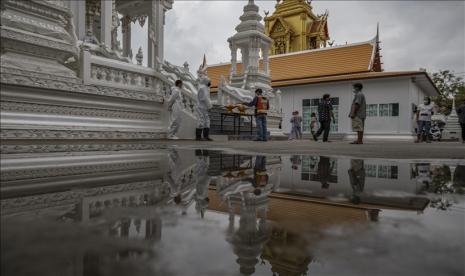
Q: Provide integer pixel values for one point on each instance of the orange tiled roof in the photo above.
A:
(355, 58)
(346, 77)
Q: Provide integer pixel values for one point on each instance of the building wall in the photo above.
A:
(399, 90)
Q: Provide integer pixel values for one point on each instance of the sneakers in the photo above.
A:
(314, 137)
(173, 137)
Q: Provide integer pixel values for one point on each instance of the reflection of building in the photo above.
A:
(283, 244)
(271, 224)
(386, 183)
(251, 234)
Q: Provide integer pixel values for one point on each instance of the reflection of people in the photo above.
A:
(175, 108)
(324, 171)
(424, 175)
(202, 181)
(203, 106)
(459, 176)
(296, 161)
(261, 105)
(180, 192)
(357, 179)
(358, 113)
(260, 174)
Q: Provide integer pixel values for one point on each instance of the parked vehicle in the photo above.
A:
(435, 133)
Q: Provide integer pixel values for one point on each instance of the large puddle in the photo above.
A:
(198, 212)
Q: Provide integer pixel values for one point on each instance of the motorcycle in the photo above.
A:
(435, 133)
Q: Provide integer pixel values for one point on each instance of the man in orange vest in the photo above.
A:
(261, 105)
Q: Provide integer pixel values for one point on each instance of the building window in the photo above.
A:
(311, 105)
(389, 110)
(390, 172)
(370, 170)
(372, 110)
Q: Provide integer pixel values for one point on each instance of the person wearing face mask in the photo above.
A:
(203, 106)
(358, 112)
(423, 116)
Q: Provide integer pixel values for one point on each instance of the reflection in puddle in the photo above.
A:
(201, 212)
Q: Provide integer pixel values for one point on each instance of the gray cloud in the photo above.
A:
(414, 34)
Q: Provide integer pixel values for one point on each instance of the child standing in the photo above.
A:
(313, 123)
(296, 124)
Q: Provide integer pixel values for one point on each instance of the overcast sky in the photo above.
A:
(414, 34)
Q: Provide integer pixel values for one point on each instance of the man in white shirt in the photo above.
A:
(424, 113)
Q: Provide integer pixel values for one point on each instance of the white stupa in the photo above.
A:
(452, 129)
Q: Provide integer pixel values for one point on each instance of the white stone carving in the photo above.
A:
(76, 134)
(77, 111)
(94, 92)
(74, 147)
(74, 196)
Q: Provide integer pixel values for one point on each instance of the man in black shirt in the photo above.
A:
(325, 114)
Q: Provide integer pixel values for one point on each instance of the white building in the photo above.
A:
(391, 99)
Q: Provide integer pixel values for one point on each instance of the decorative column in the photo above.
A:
(266, 62)
(233, 48)
(126, 30)
(106, 22)
(254, 54)
(156, 32)
(245, 59)
(151, 41)
(79, 17)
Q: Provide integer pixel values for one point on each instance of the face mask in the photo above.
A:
(426, 102)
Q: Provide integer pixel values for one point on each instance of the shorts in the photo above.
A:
(358, 124)
(424, 127)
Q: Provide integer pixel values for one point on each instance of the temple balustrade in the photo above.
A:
(97, 70)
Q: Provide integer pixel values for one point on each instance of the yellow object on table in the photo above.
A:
(230, 107)
(241, 108)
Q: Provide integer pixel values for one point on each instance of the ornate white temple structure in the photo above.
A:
(452, 130)
(66, 76)
(254, 71)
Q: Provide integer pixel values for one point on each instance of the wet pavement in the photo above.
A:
(181, 211)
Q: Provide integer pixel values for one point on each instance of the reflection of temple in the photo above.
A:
(272, 225)
(249, 238)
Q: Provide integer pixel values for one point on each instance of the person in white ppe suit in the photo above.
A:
(202, 181)
(203, 106)
(175, 108)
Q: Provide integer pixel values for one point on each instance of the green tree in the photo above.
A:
(449, 86)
